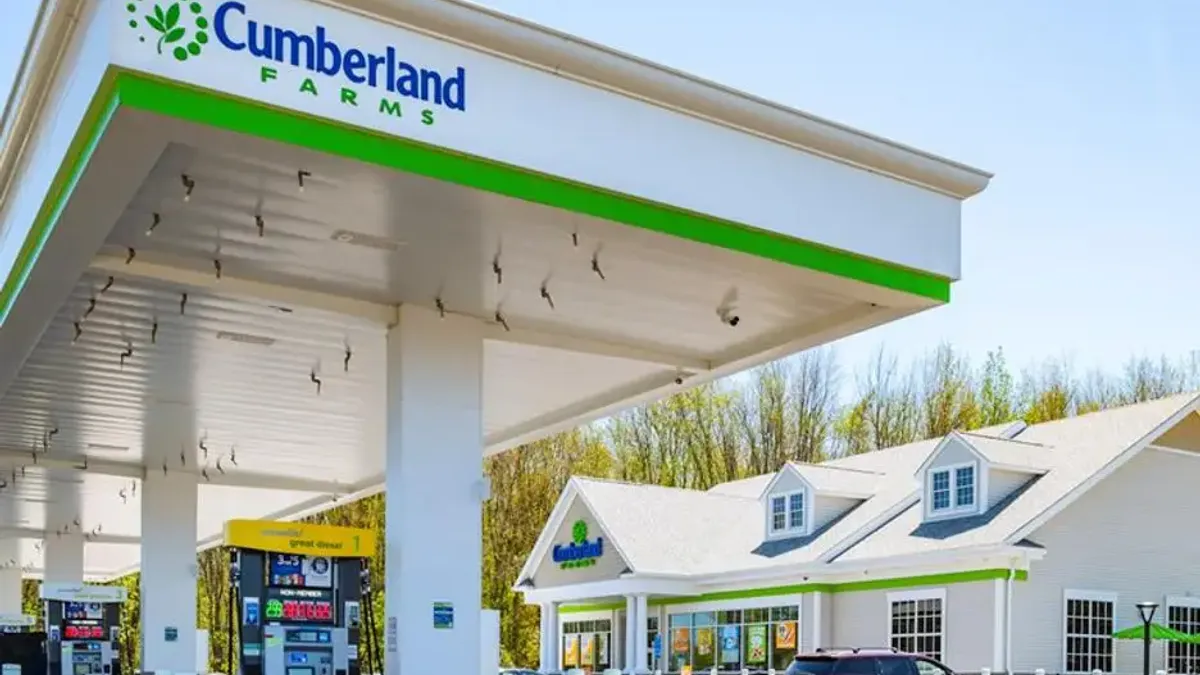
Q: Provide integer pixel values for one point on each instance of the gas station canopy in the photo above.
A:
(219, 207)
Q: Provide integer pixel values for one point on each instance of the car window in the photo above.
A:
(926, 667)
(803, 666)
(897, 665)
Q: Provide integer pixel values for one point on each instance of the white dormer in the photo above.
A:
(953, 489)
(788, 505)
(803, 498)
(967, 474)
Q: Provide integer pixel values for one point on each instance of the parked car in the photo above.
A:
(865, 661)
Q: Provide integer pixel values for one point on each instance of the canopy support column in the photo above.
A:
(63, 549)
(435, 487)
(10, 576)
(168, 582)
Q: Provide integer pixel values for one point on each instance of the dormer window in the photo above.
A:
(787, 513)
(952, 488)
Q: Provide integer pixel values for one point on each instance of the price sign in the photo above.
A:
(307, 610)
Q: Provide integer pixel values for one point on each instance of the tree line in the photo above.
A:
(806, 408)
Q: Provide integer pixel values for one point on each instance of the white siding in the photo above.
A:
(788, 481)
(954, 452)
(1122, 537)
(860, 619)
(826, 509)
(1001, 484)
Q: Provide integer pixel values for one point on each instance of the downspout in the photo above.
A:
(1008, 603)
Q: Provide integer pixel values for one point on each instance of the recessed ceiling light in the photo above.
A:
(366, 240)
(246, 338)
(103, 447)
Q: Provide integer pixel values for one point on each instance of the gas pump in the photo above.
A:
(301, 597)
(22, 649)
(82, 628)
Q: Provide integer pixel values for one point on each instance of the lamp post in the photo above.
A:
(1146, 610)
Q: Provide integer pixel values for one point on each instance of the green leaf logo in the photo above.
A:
(579, 532)
(183, 32)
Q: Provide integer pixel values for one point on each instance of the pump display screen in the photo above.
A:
(83, 610)
(299, 605)
(83, 632)
(300, 571)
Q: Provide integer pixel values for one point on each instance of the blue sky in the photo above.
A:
(1088, 111)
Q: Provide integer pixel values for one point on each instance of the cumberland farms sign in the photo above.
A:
(308, 57)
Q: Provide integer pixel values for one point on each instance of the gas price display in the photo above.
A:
(299, 611)
(83, 632)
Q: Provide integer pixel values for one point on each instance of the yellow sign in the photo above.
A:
(300, 538)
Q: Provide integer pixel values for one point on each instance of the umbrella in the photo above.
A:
(1157, 632)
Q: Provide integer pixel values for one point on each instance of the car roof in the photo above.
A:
(851, 652)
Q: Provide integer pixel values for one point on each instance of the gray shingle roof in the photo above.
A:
(678, 531)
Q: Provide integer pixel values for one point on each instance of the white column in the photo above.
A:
(435, 487)
(555, 639)
(630, 637)
(544, 658)
(168, 581)
(10, 576)
(816, 618)
(641, 635)
(62, 551)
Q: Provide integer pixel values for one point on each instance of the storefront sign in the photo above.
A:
(729, 644)
(319, 61)
(785, 635)
(756, 644)
(571, 650)
(581, 552)
(300, 538)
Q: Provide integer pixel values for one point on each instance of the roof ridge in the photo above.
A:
(667, 488)
(1006, 440)
(832, 467)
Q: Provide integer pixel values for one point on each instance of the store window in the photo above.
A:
(587, 645)
(652, 636)
(755, 639)
(1183, 615)
(917, 622)
(1088, 631)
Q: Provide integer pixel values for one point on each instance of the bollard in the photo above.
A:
(1039, 671)
(770, 671)
(985, 671)
(745, 671)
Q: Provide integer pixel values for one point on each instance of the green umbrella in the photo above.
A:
(1157, 632)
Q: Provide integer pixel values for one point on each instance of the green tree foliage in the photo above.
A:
(797, 409)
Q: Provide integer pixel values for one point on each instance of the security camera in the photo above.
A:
(678, 380)
(728, 317)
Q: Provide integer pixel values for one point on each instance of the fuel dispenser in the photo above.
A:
(22, 649)
(82, 628)
(301, 598)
